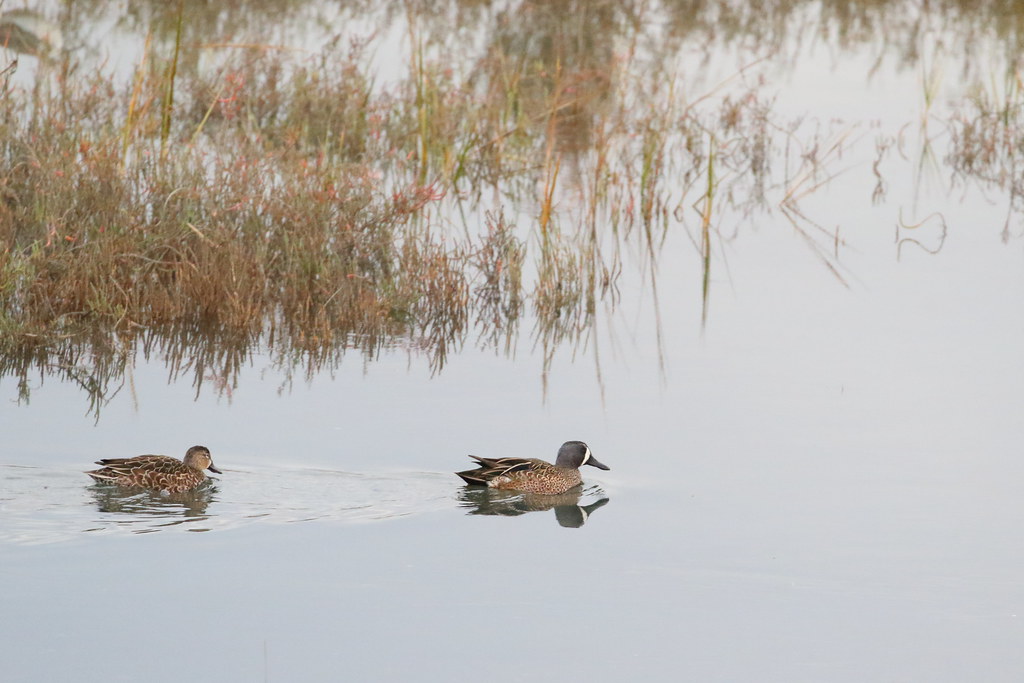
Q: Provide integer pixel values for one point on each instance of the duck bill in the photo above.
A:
(216, 471)
(596, 463)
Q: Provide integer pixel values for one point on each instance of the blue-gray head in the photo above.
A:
(576, 454)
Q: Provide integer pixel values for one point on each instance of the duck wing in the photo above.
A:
(491, 468)
(121, 467)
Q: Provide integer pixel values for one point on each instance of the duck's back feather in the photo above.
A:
(491, 468)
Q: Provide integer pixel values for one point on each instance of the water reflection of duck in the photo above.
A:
(532, 475)
(158, 472)
(145, 502)
(568, 511)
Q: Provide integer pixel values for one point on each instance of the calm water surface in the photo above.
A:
(822, 484)
(825, 487)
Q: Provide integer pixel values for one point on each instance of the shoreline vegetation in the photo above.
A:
(229, 198)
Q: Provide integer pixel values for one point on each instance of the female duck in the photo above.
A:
(160, 472)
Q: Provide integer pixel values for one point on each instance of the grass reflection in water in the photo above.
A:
(229, 198)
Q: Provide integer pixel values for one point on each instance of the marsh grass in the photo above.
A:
(296, 203)
(234, 196)
(986, 136)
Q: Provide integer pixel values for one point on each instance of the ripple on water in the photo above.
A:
(46, 505)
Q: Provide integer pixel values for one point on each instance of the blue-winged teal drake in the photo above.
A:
(160, 472)
(533, 475)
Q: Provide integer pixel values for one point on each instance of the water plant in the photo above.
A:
(239, 194)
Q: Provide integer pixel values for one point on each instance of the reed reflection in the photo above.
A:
(569, 512)
(300, 208)
(28, 32)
